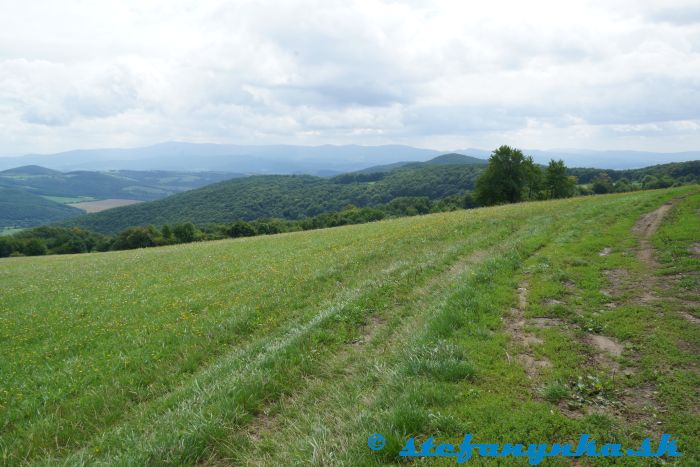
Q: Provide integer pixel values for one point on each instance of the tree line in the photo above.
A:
(65, 240)
(512, 177)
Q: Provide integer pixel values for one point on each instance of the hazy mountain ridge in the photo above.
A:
(313, 160)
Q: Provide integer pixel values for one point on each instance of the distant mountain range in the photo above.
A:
(313, 160)
(276, 159)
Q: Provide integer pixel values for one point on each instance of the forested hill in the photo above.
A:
(286, 196)
(300, 196)
(20, 209)
(684, 172)
(445, 159)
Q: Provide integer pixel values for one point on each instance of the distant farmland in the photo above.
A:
(532, 322)
(103, 205)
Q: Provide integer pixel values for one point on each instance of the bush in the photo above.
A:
(602, 184)
(34, 247)
(240, 229)
(185, 233)
(8, 245)
(135, 237)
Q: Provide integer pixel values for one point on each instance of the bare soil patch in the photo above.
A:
(694, 249)
(515, 326)
(690, 317)
(103, 205)
(547, 322)
(606, 344)
(645, 227)
(619, 280)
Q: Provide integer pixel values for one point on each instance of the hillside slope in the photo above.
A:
(445, 159)
(513, 323)
(139, 185)
(285, 196)
(19, 209)
(29, 183)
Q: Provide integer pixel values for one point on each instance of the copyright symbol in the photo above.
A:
(376, 442)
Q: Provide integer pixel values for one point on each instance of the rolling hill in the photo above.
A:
(300, 196)
(519, 323)
(139, 185)
(681, 171)
(19, 209)
(445, 159)
(286, 196)
(25, 185)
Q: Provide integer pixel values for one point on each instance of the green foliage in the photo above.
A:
(510, 177)
(185, 233)
(136, 237)
(623, 186)
(651, 182)
(8, 245)
(602, 184)
(34, 247)
(167, 234)
(682, 172)
(240, 229)
(556, 182)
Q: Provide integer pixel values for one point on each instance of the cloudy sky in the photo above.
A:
(603, 74)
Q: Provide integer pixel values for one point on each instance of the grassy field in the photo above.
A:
(523, 323)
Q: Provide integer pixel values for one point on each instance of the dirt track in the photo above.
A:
(645, 227)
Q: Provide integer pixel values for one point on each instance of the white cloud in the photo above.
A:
(445, 74)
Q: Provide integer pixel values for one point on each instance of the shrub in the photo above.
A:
(34, 247)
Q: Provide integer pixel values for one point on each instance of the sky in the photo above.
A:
(611, 74)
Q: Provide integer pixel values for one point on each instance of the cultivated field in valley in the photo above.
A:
(103, 205)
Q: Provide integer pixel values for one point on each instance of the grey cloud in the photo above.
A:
(683, 16)
(314, 72)
(338, 95)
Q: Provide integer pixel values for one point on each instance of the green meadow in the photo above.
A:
(524, 323)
